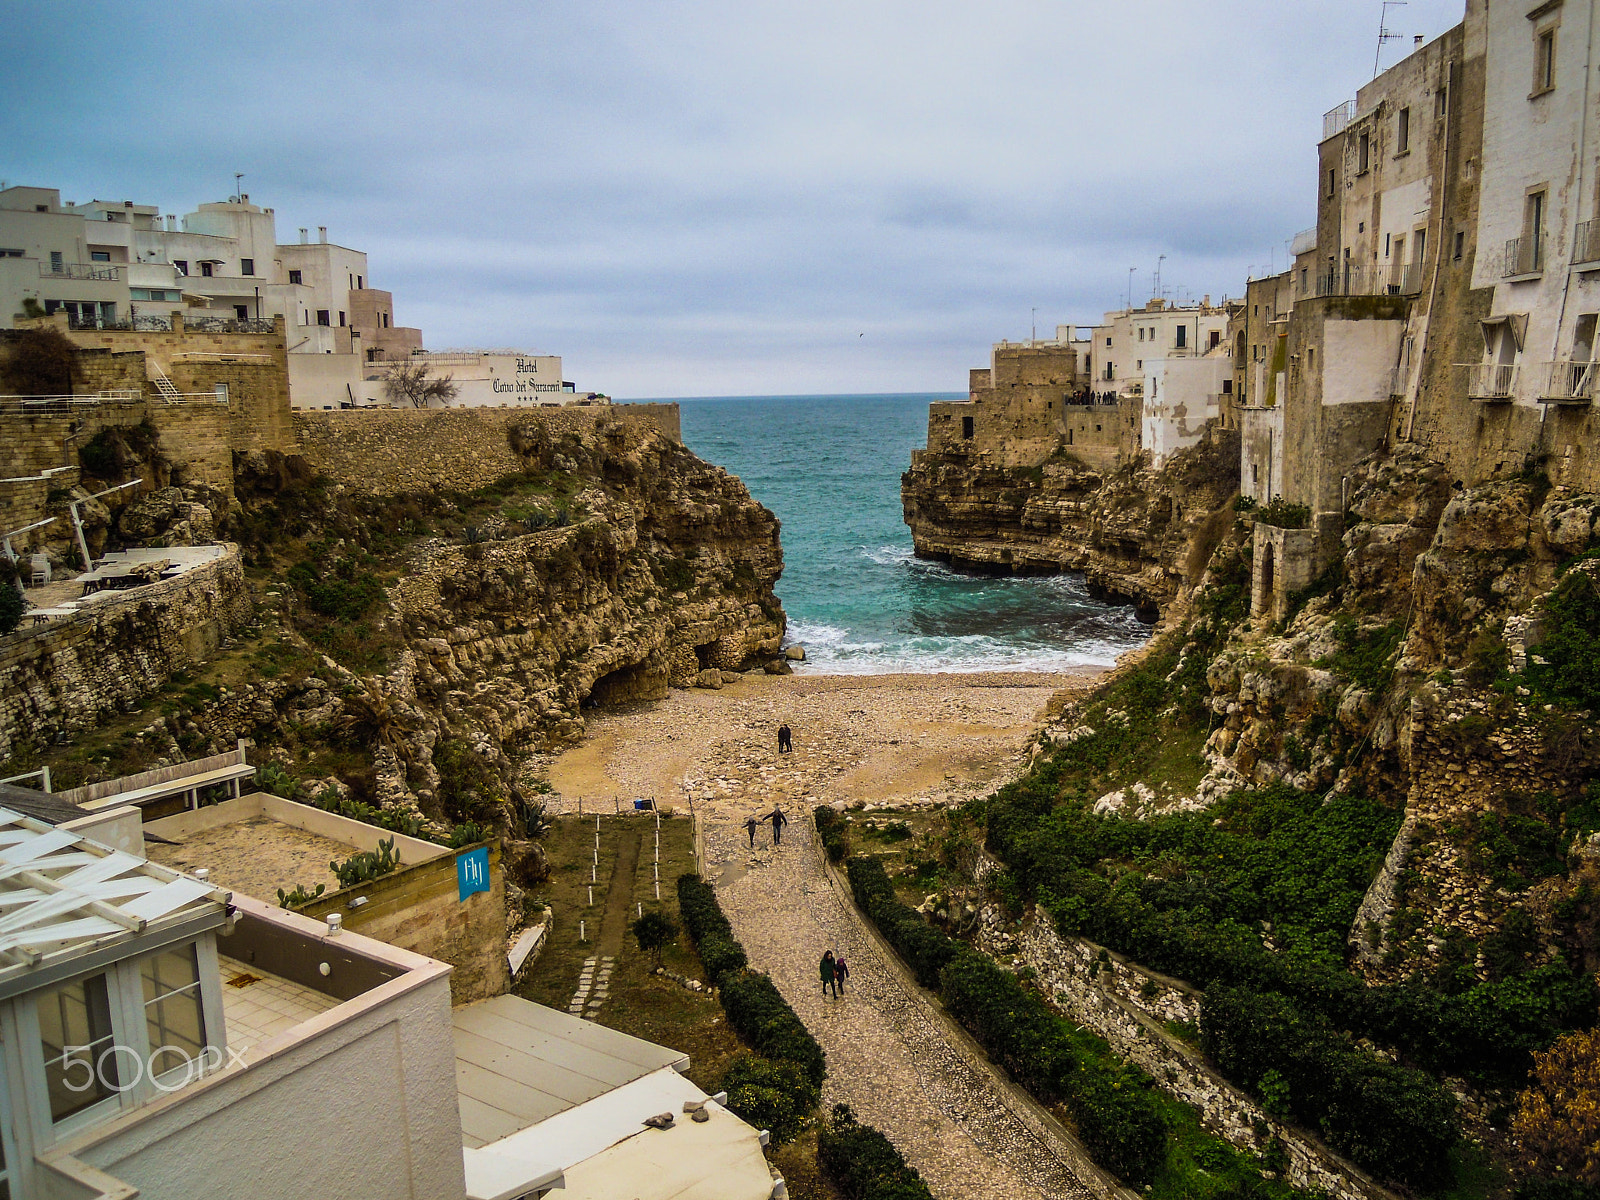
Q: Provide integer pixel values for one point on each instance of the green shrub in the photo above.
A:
(1119, 1120)
(1571, 648)
(864, 1164)
(1394, 1121)
(1280, 514)
(12, 606)
(760, 1015)
(366, 865)
(713, 937)
(654, 932)
(832, 832)
(925, 949)
(771, 1095)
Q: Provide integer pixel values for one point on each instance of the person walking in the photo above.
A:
(750, 828)
(827, 971)
(785, 740)
(840, 973)
(778, 822)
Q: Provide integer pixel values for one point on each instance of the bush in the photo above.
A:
(863, 1163)
(654, 932)
(12, 606)
(1119, 1120)
(760, 1015)
(1394, 1121)
(720, 952)
(925, 949)
(831, 831)
(1280, 514)
(771, 1095)
(366, 865)
(1558, 1118)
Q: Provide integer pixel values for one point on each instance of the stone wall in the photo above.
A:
(1130, 1007)
(390, 451)
(419, 908)
(72, 674)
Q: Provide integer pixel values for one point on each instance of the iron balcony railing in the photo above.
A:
(1491, 381)
(102, 272)
(1335, 120)
(1586, 242)
(229, 324)
(1568, 382)
(1523, 256)
(1405, 279)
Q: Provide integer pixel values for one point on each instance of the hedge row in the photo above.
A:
(831, 830)
(719, 950)
(1117, 1116)
(863, 1163)
(756, 1011)
(925, 949)
(1386, 1117)
(770, 1094)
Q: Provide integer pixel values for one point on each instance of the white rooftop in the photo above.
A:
(64, 897)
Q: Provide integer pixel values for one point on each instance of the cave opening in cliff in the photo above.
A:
(703, 655)
(641, 681)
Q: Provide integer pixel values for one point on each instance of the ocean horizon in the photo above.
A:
(858, 599)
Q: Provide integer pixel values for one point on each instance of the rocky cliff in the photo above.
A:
(1138, 534)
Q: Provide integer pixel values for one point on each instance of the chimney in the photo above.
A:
(244, 197)
(1417, 40)
(1206, 302)
(172, 223)
(322, 233)
(304, 235)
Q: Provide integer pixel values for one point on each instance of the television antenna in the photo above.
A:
(238, 186)
(1384, 35)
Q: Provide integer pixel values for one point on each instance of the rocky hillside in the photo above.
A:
(411, 647)
(1139, 535)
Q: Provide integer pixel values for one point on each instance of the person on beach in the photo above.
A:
(827, 970)
(840, 972)
(750, 828)
(785, 740)
(778, 822)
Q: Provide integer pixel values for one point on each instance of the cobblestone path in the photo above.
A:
(930, 741)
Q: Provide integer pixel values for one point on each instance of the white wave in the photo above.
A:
(971, 653)
(887, 556)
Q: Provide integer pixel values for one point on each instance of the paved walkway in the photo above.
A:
(936, 739)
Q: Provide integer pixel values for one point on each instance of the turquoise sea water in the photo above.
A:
(829, 467)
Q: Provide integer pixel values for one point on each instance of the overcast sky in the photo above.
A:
(714, 197)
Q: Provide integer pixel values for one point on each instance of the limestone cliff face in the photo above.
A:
(1137, 534)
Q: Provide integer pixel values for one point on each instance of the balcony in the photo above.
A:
(1336, 120)
(98, 272)
(1405, 279)
(1523, 256)
(1491, 383)
(1586, 243)
(1567, 383)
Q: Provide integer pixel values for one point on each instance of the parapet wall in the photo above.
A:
(74, 673)
(390, 451)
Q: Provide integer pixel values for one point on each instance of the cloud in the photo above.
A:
(710, 196)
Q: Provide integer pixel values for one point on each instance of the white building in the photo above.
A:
(1126, 340)
(1181, 397)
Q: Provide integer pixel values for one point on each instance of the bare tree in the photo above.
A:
(409, 382)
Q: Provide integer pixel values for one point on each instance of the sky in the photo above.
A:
(720, 197)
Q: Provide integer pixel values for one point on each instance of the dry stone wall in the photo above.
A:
(1129, 1007)
(72, 674)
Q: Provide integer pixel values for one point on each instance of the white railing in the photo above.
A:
(50, 403)
(1406, 279)
(1568, 382)
(1335, 120)
(102, 272)
(1491, 381)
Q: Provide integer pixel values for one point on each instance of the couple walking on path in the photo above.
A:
(785, 740)
(834, 972)
(778, 822)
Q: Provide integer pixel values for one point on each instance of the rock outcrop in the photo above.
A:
(1139, 535)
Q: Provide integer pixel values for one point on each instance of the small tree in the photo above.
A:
(410, 383)
(1558, 1119)
(655, 931)
(12, 605)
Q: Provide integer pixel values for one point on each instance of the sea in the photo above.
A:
(857, 598)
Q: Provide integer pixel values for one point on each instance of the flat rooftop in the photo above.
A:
(259, 843)
(257, 1005)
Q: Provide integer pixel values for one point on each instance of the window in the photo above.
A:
(360, 283)
(294, 276)
(205, 270)
(966, 427)
(1138, 365)
(341, 319)
(1141, 333)
(99, 256)
(1530, 256)
(56, 265)
(1441, 102)
(247, 266)
(1461, 244)
(385, 317)
(1364, 154)
(182, 266)
(1544, 62)
(172, 1005)
(322, 316)
(1183, 336)
(1227, 387)
(1402, 132)
(7, 252)
(241, 311)
(81, 1063)
(1108, 341)
(1332, 184)
(1216, 338)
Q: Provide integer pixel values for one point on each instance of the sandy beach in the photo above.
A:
(883, 739)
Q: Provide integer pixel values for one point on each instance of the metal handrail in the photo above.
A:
(229, 324)
(1337, 119)
(1568, 380)
(103, 272)
(1491, 381)
(1523, 256)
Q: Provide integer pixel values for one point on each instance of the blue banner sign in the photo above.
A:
(472, 871)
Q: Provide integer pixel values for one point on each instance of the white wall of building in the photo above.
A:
(1181, 396)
